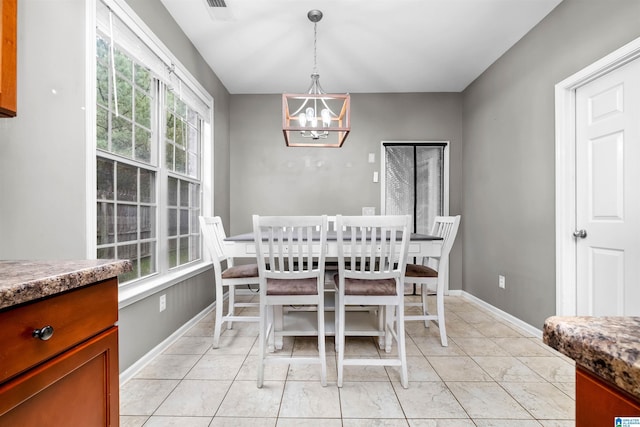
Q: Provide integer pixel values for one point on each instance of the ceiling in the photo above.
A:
(363, 46)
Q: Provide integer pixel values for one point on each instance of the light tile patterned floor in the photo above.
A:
(492, 374)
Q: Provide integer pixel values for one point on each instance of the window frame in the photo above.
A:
(164, 277)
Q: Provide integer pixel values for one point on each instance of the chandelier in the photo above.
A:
(315, 118)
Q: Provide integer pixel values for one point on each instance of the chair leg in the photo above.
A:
(440, 304)
(424, 291)
(341, 340)
(271, 329)
(219, 309)
(402, 353)
(321, 347)
(383, 333)
(335, 323)
(232, 305)
(389, 320)
(262, 344)
(278, 325)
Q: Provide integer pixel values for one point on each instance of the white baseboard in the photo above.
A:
(502, 314)
(132, 370)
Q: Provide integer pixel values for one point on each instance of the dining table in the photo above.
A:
(420, 245)
(299, 321)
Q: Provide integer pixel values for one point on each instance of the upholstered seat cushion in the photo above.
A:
(292, 286)
(367, 287)
(241, 271)
(417, 270)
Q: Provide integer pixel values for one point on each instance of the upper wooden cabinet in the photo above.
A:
(8, 66)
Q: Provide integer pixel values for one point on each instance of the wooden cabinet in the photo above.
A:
(8, 57)
(598, 403)
(70, 379)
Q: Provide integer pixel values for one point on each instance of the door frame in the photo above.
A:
(565, 111)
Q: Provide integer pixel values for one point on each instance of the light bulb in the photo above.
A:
(302, 119)
(310, 113)
(314, 122)
(326, 117)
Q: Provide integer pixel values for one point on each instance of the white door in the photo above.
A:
(608, 194)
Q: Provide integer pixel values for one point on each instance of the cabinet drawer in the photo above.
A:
(75, 316)
(78, 388)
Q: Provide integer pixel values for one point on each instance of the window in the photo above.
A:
(149, 144)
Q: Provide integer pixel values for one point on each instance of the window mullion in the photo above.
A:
(162, 182)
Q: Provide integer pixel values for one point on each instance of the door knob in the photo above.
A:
(580, 234)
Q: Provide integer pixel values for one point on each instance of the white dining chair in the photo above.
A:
(291, 254)
(227, 276)
(431, 276)
(372, 255)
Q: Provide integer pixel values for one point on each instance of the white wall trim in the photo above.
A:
(499, 313)
(208, 161)
(565, 92)
(132, 370)
(90, 130)
(139, 289)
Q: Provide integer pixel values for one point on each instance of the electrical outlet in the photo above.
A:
(163, 302)
(502, 281)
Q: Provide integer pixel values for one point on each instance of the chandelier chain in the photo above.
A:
(315, 44)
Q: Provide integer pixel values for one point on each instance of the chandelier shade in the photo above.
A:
(315, 118)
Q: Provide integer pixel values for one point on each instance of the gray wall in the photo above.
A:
(508, 205)
(269, 178)
(42, 198)
(141, 327)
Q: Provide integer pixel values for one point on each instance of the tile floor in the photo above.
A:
(491, 374)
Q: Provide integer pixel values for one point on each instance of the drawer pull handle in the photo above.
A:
(44, 333)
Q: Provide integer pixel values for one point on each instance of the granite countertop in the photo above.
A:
(607, 346)
(24, 281)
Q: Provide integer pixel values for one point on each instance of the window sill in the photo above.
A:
(130, 294)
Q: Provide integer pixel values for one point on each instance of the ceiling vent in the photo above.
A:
(218, 10)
